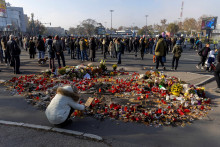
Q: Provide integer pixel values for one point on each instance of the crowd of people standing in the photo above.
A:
(85, 49)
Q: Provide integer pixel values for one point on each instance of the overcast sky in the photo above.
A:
(67, 13)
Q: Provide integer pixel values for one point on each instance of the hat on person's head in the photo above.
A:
(69, 91)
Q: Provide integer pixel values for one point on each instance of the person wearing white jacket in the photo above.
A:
(62, 105)
(211, 59)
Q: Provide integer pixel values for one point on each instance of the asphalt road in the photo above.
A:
(11, 136)
(201, 133)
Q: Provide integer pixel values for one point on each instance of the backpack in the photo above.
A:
(178, 51)
(50, 49)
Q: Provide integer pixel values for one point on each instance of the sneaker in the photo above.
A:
(172, 69)
(197, 66)
(202, 67)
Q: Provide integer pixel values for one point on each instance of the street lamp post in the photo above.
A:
(111, 17)
(146, 19)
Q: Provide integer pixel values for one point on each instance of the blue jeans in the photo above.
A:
(41, 54)
(119, 57)
(68, 49)
(84, 53)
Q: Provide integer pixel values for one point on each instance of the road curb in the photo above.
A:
(209, 80)
(52, 129)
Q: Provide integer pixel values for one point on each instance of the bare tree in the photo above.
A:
(173, 28)
(163, 23)
(189, 24)
(72, 30)
(90, 26)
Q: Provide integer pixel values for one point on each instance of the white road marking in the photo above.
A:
(190, 59)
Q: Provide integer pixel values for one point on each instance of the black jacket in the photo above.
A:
(57, 46)
(205, 51)
(218, 57)
(40, 45)
(32, 49)
(135, 44)
(13, 48)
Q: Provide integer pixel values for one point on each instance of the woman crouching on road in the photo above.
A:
(63, 105)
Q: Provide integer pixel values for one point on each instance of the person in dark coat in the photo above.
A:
(217, 73)
(130, 44)
(118, 48)
(142, 48)
(41, 47)
(72, 48)
(77, 47)
(135, 46)
(105, 44)
(51, 52)
(14, 51)
(204, 54)
(32, 49)
(58, 48)
(92, 48)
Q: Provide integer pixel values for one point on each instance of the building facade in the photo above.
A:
(15, 20)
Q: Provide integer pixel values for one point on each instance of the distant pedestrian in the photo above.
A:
(203, 53)
(130, 45)
(72, 48)
(211, 59)
(217, 73)
(40, 47)
(154, 46)
(51, 52)
(111, 49)
(6, 51)
(118, 48)
(135, 46)
(32, 48)
(160, 52)
(83, 49)
(77, 48)
(92, 49)
(15, 52)
(58, 48)
(177, 50)
(142, 47)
